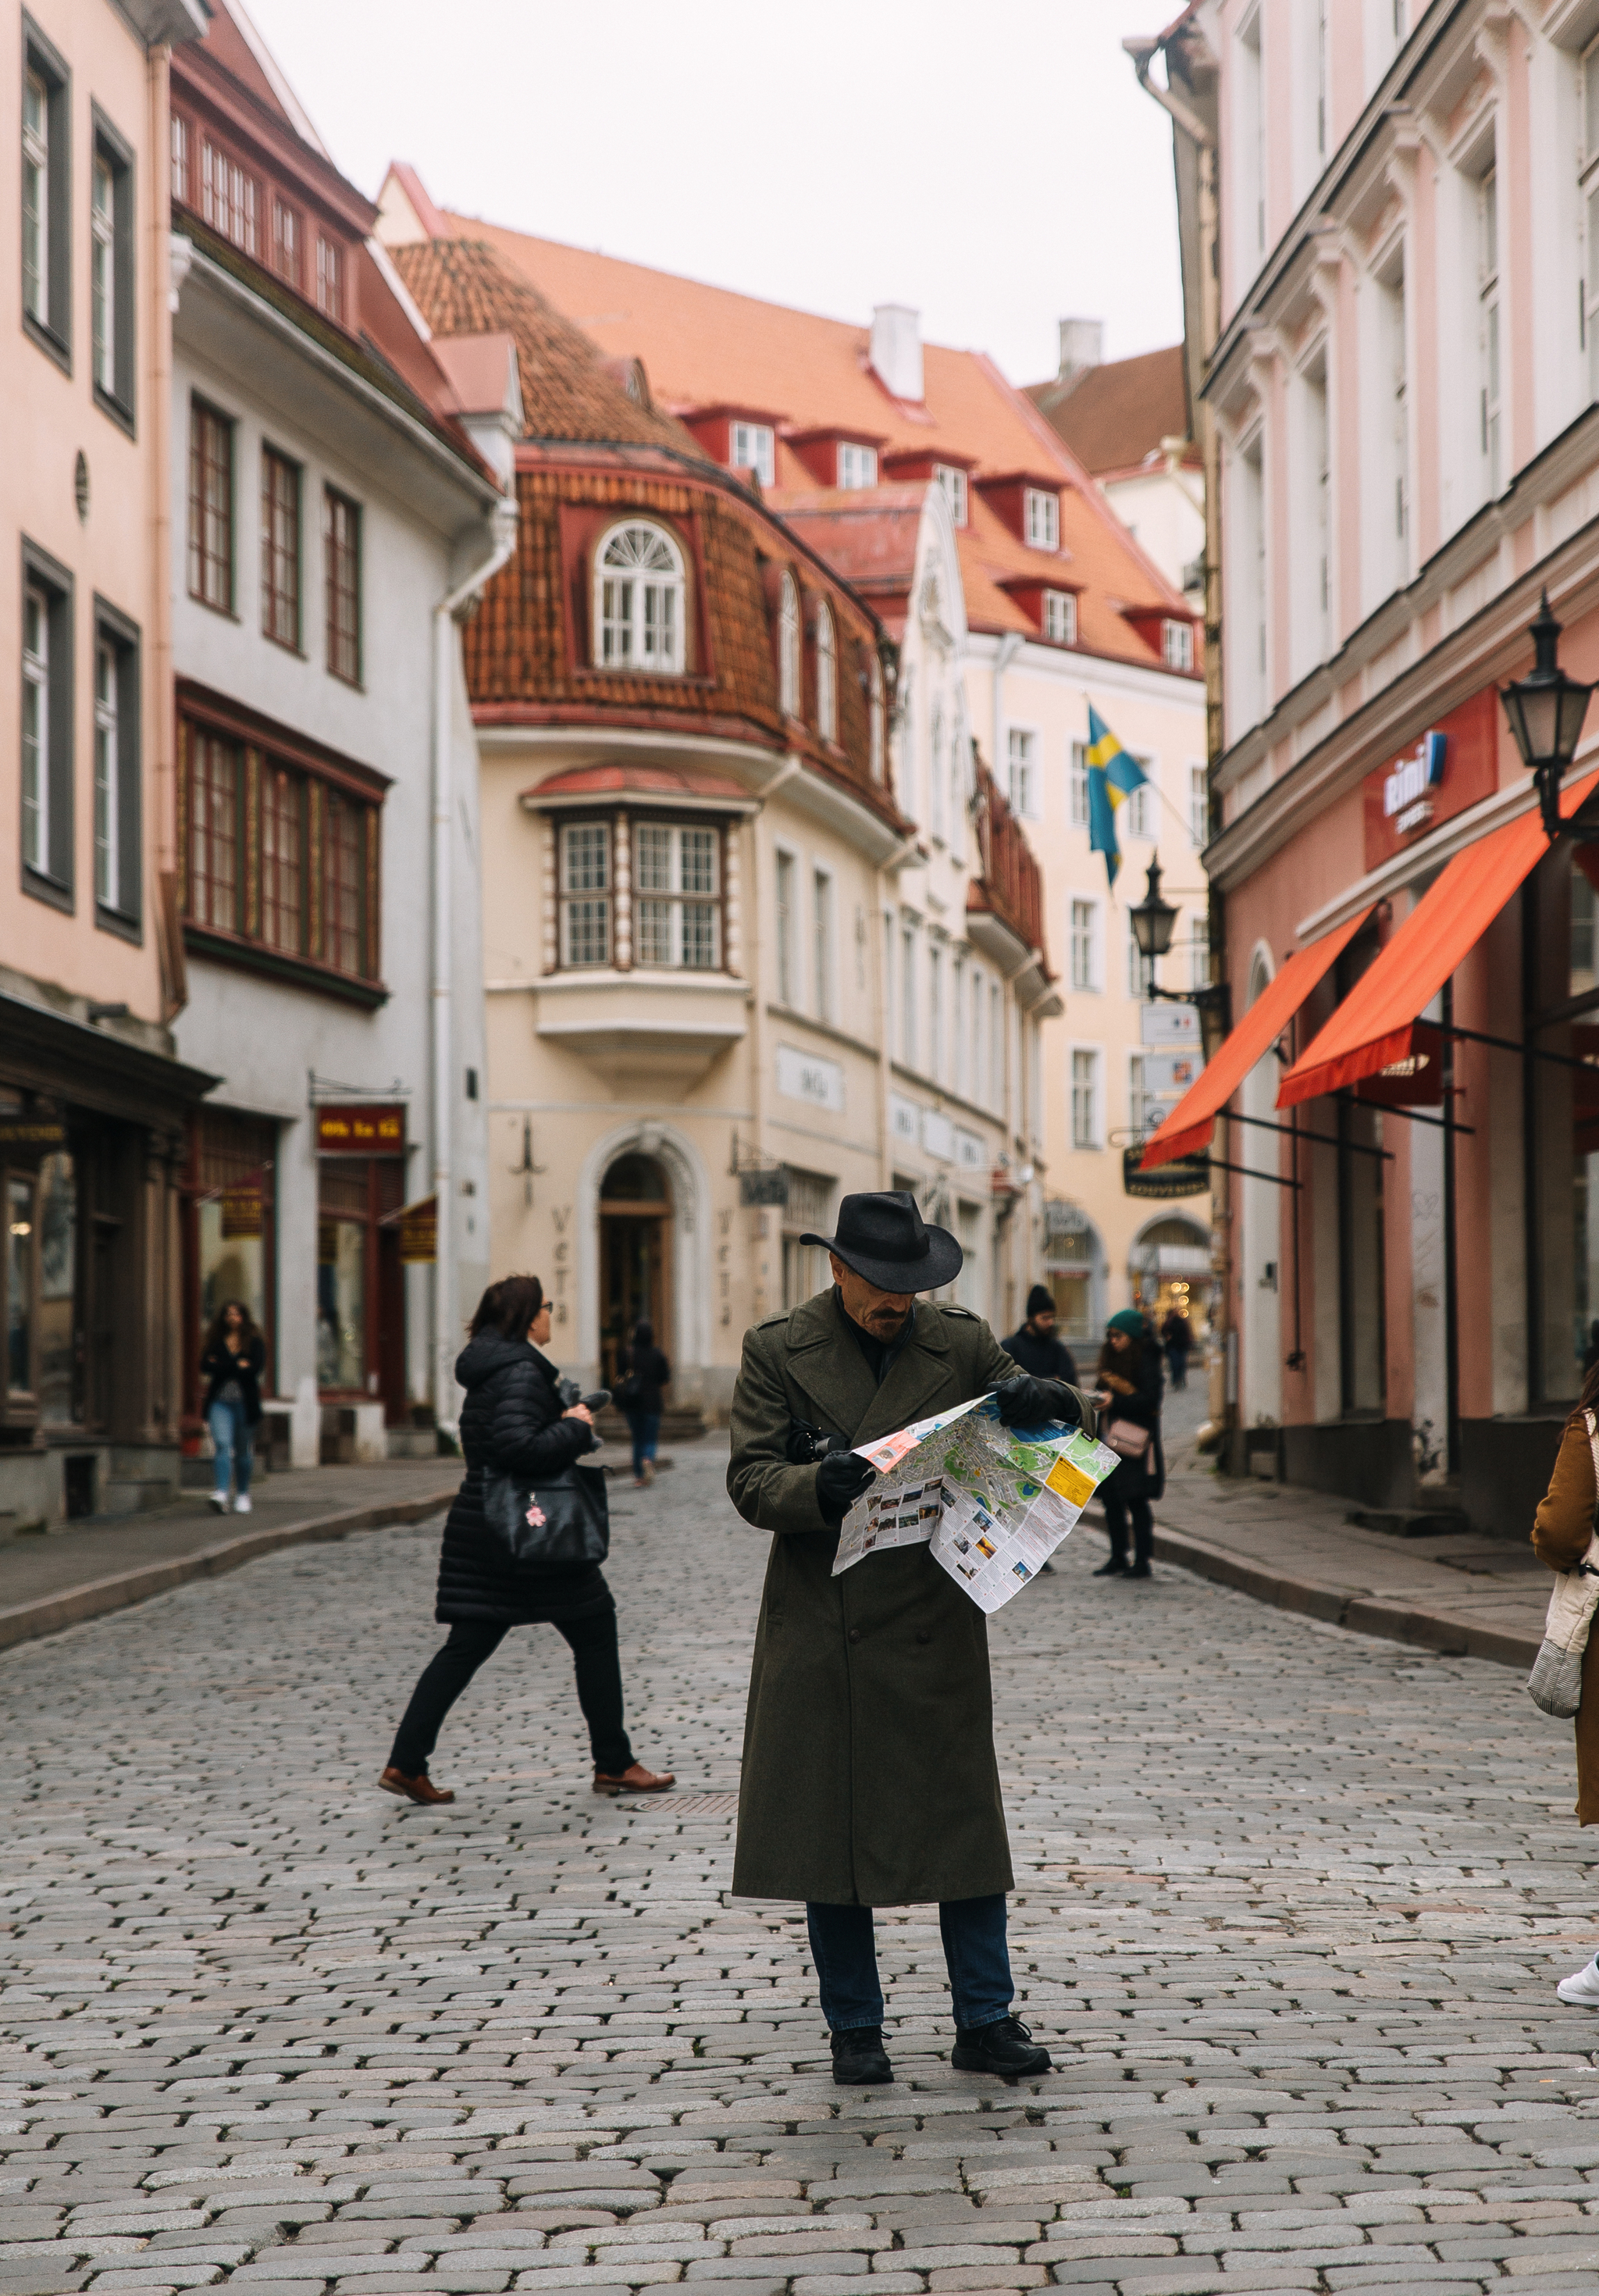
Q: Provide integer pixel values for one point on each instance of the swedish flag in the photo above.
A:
(1113, 776)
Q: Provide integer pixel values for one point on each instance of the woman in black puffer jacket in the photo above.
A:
(513, 1421)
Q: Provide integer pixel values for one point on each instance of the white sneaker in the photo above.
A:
(219, 1500)
(1580, 1990)
(242, 1504)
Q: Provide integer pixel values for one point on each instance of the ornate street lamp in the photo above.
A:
(1153, 919)
(1545, 710)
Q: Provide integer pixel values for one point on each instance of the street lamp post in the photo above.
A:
(1545, 710)
(1153, 919)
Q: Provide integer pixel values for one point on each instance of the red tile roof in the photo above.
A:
(661, 782)
(706, 347)
(1114, 417)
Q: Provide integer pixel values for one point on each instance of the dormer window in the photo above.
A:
(788, 647)
(874, 701)
(227, 197)
(754, 448)
(954, 483)
(858, 465)
(330, 279)
(1177, 644)
(827, 675)
(639, 600)
(1042, 514)
(286, 239)
(1059, 617)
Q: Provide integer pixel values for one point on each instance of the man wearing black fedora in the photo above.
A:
(869, 1773)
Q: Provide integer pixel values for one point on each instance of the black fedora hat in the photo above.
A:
(885, 1238)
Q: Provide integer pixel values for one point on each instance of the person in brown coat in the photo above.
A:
(1561, 1532)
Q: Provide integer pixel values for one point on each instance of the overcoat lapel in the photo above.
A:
(826, 1365)
(916, 1382)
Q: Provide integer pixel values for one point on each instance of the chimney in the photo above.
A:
(1082, 345)
(896, 350)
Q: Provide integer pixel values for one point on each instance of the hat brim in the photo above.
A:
(941, 1265)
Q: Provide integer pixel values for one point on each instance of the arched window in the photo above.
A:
(639, 600)
(788, 647)
(875, 698)
(827, 676)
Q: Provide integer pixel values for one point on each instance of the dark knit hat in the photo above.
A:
(1040, 1301)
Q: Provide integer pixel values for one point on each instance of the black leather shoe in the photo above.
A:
(859, 2060)
(1116, 1568)
(1006, 2047)
(1140, 1570)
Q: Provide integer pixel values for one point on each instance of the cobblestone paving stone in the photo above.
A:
(1290, 1908)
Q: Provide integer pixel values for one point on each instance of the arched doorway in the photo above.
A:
(1169, 1265)
(636, 1254)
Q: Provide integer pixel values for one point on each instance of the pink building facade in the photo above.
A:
(1402, 376)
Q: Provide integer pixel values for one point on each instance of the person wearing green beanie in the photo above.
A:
(1129, 1383)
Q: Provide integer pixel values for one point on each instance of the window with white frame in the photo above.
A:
(107, 778)
(954, 483)
(754, 448)
(111, 272)
(1177, 644)
(1141, 969)
(1394, 382)
(974, 1033)
(46, 130)
(907, 994)
(1137, 813)
(36, 729)
(1078, 792)
(1143, 1112)
(1199, 955)
(228, 196)
(1487, 326)
(960, 756)
(639, 600)
(1199, 807)
(1041, 512)
(1021, 754)
(788, 647)
(957, 1023)
(1084, 1098)
(935, 1009)
(785, 929)
(36, 198)
(1059, 617)
(1085, 944)
(876, 730)
(995, 1048)
(1588, 185)
(935, 785)
(821, 935)
(827, 674)
(103, 275)
(117, 791)
(179, 152)
(585, 892)
(677, 897)
(858, 465)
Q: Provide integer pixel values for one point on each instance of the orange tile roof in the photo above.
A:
(1113, 417)
(706, 346)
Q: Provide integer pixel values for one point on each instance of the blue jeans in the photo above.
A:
(645, 1426)
(975, 1954)
(234, 1437)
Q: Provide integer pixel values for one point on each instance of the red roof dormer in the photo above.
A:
(838, 457)
(1027, 504)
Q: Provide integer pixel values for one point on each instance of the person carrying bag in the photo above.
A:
(1564, 1680)
(523, 1544)
(1127, 1393)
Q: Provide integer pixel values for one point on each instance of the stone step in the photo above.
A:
(1411, 1522)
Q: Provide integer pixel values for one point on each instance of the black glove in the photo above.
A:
(840, 1479)
(1027, 1402)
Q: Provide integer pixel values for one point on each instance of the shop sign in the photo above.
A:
(970, 1153)
(765, 1187)
(1185, 1176)
(1452, 765)
(810, 1077)
(1415, 1081)
(1167, 1076)
(938, 1135)
(372, 1128)
(19, 1132)
(419, 1233)
(1167, 1027)
(904, 1119)
(244, 1211)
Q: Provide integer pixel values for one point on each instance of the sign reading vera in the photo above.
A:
(375, 1128)
(1451, 765)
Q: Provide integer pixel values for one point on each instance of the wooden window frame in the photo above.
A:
(51, 327)
(282, 530)
(342, 582)
(114, 351)
(207, 423)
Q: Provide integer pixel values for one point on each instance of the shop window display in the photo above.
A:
(59, 1363)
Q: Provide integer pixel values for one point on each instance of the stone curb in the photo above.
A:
(25, 1622)
(1364, 1614)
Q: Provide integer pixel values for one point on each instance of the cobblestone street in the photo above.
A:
(1290, 1908)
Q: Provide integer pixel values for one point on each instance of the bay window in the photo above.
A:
(644, 894)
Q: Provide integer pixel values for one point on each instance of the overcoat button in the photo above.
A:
(924, 1636)
(855, 1633)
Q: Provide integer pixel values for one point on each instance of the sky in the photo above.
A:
(998, 168)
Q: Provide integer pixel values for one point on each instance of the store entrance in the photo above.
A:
(635, 1225)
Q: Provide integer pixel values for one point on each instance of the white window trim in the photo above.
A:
(790, 647)
(952, 479)
(1033, 809)
(108, 777)
(604, 893)
(36, 680)
(784, 855)
(103, 275)
(1177, 644)
(856, 465)
(1041, 510)
(35, 159)
(827, 673)
(1098, 1054)
(1094, 984)
(674, 895)
(1061, 605)
(824, 942)
(760, 436)
(640, 583)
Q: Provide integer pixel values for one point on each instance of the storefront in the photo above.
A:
(230, 1248)
(360, 1269)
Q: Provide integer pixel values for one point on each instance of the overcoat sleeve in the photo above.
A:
(528, 1434)
(994, 1366)
(767, 1490)
(1564, 1522)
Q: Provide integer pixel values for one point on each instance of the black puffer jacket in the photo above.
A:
(511, 1421)
(1146, 1478)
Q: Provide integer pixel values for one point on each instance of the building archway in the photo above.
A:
(1169, 1265)
(661, 1240)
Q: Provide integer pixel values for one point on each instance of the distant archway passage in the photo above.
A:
(636, 1254)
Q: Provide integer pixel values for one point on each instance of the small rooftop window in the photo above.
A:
(639, 600)
(1042, 515)
(858, 465)
(754, 448)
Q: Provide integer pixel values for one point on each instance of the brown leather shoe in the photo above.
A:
(634, 1779)
(420, 1788)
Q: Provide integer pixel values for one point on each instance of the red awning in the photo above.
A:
(1193, 1121)
(1372, 1028)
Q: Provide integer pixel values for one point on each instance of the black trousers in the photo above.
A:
(592, 1639)
(1117, 1511)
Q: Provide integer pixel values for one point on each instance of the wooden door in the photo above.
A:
(633, 1280)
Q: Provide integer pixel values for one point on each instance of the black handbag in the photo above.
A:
(565, 1519)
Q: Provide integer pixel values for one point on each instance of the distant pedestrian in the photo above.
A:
(1128, 1400)
(643, 1372)
(235, 1358)
(515, 1423)
(1561, 1531)
(1177, 1332)
(1591, 1352)
(1034, 1346)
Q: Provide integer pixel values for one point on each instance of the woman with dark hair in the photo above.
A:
(235, 1358)
(515, 1422)
(1129, 1383)
(1561, 1531)
(643, 1372)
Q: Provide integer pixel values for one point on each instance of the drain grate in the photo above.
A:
(700, 1805)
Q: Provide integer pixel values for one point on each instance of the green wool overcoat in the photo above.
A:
(869, 1775)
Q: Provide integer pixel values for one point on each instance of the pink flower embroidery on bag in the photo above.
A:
(536, 1517)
